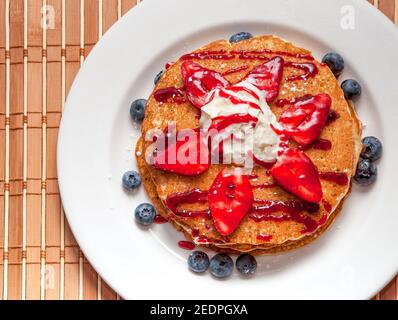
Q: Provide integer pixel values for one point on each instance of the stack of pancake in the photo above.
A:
(269, 235)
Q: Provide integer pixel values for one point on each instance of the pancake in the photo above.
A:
(270, 235)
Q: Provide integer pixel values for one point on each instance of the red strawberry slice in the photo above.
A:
(304, 120)
(187, 157)
(199, 82)
(267, 77)
(296, 173)
(230, 199)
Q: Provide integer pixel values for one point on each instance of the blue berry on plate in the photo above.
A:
(145, 214)
(366, 172)
(246, 264)
(131, 180)
(221, 265)
(137, 109)
(335, 62)
(372, 148)
(158, 76)
(237, 37)
(198, 262)
(351, 89)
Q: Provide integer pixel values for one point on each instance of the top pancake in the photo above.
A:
(344, 133)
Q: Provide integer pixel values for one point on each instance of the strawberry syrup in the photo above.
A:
(263, 210)
(333, 116)
(171, 95)
(209, 55)
(189, 197)
(320, 144)
(235, 70)
(186, 245)
(264, 237)
(261, 54)
(283, 102)
(160, 220)
(309, 68)
(336, 177)
(292, 212)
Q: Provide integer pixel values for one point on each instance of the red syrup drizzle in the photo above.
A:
(333, 116)
(336, 177)
(171, 95)
(222, 122)
(264, 237)
(168, 65)
(283, 102)
(199, 238)
(252, 176)
(263, 211)
(259, 54)
(327, 206)
(236, 100)
(264, 186)
(243, 54)
(235, 70)
(309, 68)
(249, 91)
(319, 144)
(187, 245)
(209, 55)
(189, 197)
(293, 212)
(159, 219)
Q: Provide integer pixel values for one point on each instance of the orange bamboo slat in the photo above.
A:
(72, 65)
(34, 149)
(16, 150)
(39, 257)
(128, 4)
(388, 8)
(2, 140)
(53, 99)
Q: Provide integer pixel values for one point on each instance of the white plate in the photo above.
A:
(354, 259)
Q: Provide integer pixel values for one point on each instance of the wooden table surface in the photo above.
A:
(39, 258)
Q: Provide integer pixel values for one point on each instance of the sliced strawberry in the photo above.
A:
(187, 157)
(267, 77)
(199, 82)
(230, 199)
(296, 173)
(304, 120)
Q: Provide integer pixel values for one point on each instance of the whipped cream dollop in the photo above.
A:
(240, 140)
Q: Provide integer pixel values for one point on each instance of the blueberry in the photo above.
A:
(221, 265)
(335, 62)
(237, 37)
(366, 172)
(246, 264)
(198, 261)
(351, 88)
(137, 109)
(372, 148)
(145, 214)
(158, 76)
(131, 180)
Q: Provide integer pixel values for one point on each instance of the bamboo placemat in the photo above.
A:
(39, 258)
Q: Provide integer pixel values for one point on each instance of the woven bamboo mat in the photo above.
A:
(39, 258)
